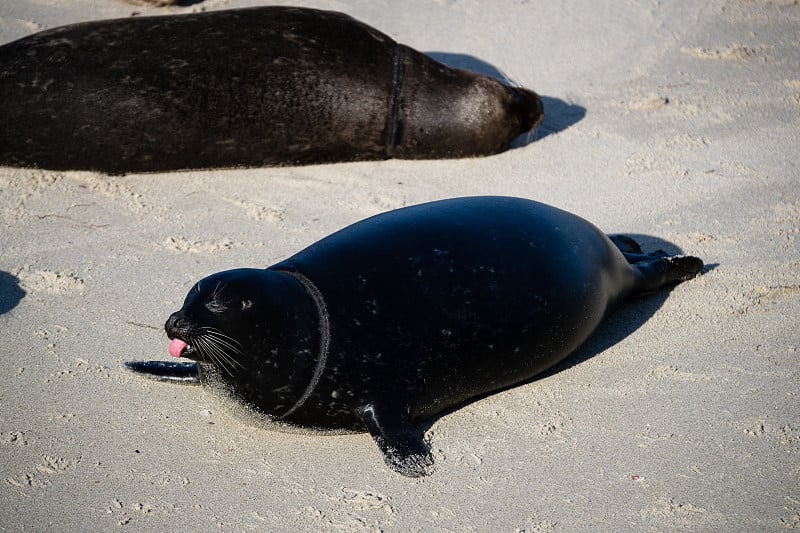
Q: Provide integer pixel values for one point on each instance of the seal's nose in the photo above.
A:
(176, 324)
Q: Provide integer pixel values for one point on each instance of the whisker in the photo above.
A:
(217, 290)
(224, 356)
(220, 348)
(222, 339)
(218, 334)
(216, 354)
(221, 355)
(223, 348)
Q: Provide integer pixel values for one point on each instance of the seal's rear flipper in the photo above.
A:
(403, 451)
(652, 275)
(626, 244)
(187, 373)
(632, 251)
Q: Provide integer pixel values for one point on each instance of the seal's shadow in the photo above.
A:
(10, 292)
(620, 323)
(179, 3)
(187, 3)
(558, 114)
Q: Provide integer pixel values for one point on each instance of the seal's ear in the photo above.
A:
(186, 373)
(402, 450)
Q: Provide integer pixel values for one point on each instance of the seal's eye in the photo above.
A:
(246, 304)
(216, 306)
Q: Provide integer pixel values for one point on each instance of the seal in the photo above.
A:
(244, 87)
(409, 313)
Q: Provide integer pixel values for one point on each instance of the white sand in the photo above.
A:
(678, 120)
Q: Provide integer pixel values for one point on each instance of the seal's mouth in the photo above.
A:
(180, 348)
(177, 347)
(202, 343)
(182, 334)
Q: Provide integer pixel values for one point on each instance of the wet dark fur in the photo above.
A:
(404, 315)
(243, 87)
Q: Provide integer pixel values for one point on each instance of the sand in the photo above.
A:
(677, 121)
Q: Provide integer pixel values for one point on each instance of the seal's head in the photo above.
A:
(450, 112)
(527, 106)
(208, 326)
(257, 330)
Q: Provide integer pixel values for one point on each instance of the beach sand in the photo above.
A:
(674, 121)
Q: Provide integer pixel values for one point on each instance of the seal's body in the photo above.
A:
(408, 313)
(243, 87)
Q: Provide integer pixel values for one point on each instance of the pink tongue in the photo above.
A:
(176, 347)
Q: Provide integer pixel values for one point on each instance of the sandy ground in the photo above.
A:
(674, 120)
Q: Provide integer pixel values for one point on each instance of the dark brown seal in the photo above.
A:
(404, 315)
(244, 87)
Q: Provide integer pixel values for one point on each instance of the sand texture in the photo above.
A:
(678, 122)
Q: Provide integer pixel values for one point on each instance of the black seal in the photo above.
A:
(242, 88)
(404, 315)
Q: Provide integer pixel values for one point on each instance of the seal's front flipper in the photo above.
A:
(403, 451)
(652, 275)
(187, 373)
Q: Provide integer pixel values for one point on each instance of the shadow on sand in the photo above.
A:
(10, 292)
